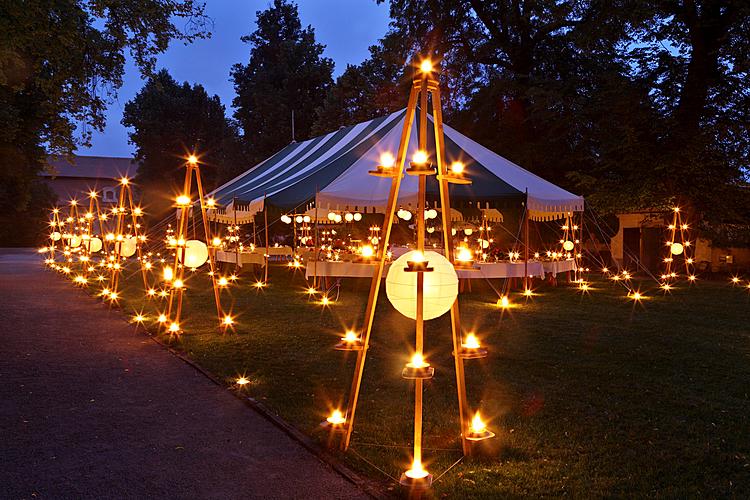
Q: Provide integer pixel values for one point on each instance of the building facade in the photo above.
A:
(74, 179)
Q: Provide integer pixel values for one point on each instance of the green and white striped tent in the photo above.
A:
(332, 171)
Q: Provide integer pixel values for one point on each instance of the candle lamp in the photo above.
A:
(420, 165)
(417, 369)
(350, 342)
(336, 422)
(471, 349)
(478, 430)
(386, 167)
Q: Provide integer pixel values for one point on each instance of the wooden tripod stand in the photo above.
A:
(678, 245)
(423, 86)
(176, 283)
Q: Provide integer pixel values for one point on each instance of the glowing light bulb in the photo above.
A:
(477, 425)
(350, 336)
(368, 251)
(425, 66)
(636, 296)
(416, 471)
(227, 321)
(139, 318)
(174, 327)
(503, 302)
(210, 203)
(464, 255)
(336, 418)
(735, 279)
(168, 273)
(162, 318)
(457, 168)
(183, 200)
(216, 241)
(471, 342)
(528, 292)
(178, 283)
(311, 291)
(192, 159)
(259, 284)
(692, 277)
(420, 157)
(325, 300)
(417, 361)
(242, 381)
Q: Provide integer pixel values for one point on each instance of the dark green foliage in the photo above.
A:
(285, 73)
(171, 120)
(61, 63)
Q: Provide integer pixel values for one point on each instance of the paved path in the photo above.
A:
(89, 408)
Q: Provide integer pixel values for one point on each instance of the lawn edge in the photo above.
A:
(369, 486)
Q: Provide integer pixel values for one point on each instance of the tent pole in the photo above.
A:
(265, 222)
(315, 243)
(526, 242)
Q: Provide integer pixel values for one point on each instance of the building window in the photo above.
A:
(108, 195)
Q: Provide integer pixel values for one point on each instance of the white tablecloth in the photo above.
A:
(501, 270)
(245, 257)
(559, 266)
(341, 269)
(284, 251)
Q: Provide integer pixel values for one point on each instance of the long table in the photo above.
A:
(244, 258)
(338, 269)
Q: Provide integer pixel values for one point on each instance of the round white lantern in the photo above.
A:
(568, 246)
(676, 248)
(196, 254)
(306, 218)
(357, 216)
(94, 244)
(298, 219)
(337, 218)
(484, 243)
(75, 241)
(349, 216)
(286, 219)
(440, 285)
(55, 236)
(126, 247)
(331, 215)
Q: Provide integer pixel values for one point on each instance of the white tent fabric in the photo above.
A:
(355, 187)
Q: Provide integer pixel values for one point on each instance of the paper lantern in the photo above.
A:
(331, 216)
(286, 219)
(126, 247)
(349, 217)
(75, 241)
(484, 243)
(568, 246)
(55, 236)
(306, 218)
(298, 219)
(94, 245)
(440, 285)
(676, 248)
(337, 218)
(196, 254)
(430, 214)
(357, 216)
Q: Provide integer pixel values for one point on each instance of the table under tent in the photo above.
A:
(323, 179)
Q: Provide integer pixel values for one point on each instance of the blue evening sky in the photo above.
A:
(346, 27)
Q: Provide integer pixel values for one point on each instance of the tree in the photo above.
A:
(371, 89)
(171, 120)
(60, 64)
(634, 104)
(286, 73)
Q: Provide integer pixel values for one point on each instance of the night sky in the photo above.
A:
(346, 27)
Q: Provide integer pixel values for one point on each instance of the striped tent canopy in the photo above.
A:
(336, 165)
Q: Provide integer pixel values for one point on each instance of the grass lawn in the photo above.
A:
(589, 395)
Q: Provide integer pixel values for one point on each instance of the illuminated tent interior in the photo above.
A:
(332, 170)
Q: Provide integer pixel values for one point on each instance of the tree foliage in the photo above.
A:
(61, 63)
(632, 103)
(286, 72)
(171, 120)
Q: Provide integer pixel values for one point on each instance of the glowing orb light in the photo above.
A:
(440, 285)
(196, 254)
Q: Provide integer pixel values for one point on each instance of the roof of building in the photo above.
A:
(91, 167)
